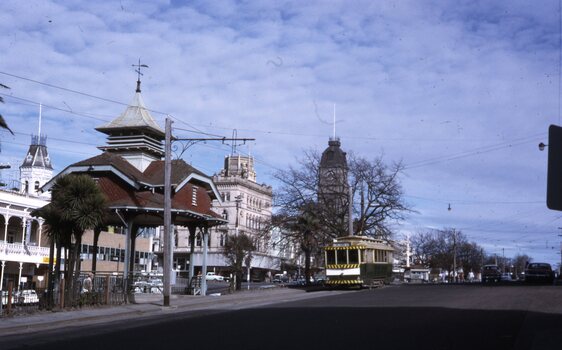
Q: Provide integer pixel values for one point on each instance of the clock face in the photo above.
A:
(331, 176)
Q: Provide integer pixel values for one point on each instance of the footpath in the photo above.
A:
(147, 305)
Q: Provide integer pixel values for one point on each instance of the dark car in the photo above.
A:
(491, 273)
(539, 272)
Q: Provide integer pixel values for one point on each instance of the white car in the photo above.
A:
(211, 276)
(27, 296)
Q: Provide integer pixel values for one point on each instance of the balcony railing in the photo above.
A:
(24, 253)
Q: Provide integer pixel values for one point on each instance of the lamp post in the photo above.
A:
(238, 200)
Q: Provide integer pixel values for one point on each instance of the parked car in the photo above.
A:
(27, 296)
(280, 278)
(211, 276)
(506, 276)
(491, 273)
(539, 272)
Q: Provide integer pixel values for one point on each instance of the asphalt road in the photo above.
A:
(394, 317)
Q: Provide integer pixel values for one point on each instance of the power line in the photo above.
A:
(468, 202)
(80, 114)
(468, 153)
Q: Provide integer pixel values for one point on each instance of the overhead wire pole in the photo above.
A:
(192, 141)
(168, 252)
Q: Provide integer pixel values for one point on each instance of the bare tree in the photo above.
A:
(378, 200)
(519, 263)
(378, 196)
(446, 249)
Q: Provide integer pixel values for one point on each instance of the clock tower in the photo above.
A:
(333, 188)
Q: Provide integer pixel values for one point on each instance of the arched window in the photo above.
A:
(198, 240)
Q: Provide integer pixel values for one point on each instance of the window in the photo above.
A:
(354, 256)
(36, 186)
(330, 257)
(341, 256)
(194, 196)
(222, 240)
(198, 240)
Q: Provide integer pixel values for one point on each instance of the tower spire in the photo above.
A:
(138, 70)
(40, 109)
(334, 122)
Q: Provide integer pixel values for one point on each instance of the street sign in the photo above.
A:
(554, 175)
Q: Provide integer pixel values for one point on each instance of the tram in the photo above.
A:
(358, 261)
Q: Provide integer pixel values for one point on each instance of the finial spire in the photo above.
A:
(40, 110)
(138, 70)
(334, 124)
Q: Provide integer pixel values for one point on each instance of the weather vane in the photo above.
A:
(138, 70)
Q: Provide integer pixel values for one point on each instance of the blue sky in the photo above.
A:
(461, 92)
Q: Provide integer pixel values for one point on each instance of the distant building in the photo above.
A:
(36, 169)
(246, 205)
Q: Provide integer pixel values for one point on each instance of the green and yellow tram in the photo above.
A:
(358, 261)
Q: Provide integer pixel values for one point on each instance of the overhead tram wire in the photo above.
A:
(80, 114)
(93, 96)
(468, 153)
(469, 202)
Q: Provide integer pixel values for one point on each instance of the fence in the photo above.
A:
(106, 290)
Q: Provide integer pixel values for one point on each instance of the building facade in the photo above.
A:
(24, 248)
(246, 205)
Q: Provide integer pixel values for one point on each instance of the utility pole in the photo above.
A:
(560, 267)
(454, 255)
(238, 200)
(503, 260)
(168, 252)
(408, 254)
(350, 207)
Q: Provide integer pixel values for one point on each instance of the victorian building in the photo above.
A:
(246, 206)
(24, 250)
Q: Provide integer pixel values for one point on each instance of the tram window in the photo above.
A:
(367, 256)
(342, 257)
(330, 257)
(354, 256)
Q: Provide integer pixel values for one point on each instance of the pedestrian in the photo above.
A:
(87, 284)
(470, 276)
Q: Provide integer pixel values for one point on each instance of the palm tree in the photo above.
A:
(237, 249)
(77, 204)
(3, 123)
(59, 235)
